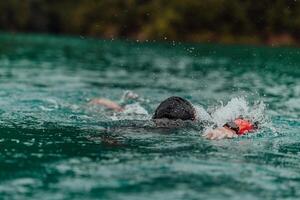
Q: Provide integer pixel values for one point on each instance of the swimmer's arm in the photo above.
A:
(107, 103)
(220, 133)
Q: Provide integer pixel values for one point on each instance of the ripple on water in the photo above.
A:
(55, 146)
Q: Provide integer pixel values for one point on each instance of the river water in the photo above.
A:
(54, 145)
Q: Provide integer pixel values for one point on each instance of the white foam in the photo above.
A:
(132, 111)
(238, 107)
(135, 108)
(202, 114)
(50, 105)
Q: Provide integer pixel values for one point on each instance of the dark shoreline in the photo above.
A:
(279, 40)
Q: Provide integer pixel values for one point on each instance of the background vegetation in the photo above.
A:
(230, 21)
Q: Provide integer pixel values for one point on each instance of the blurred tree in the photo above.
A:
(196, 20)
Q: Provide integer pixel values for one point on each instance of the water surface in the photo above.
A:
(55, 146)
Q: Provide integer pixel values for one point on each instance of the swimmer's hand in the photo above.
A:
(130, 95)
(107, 103)
(219, 133)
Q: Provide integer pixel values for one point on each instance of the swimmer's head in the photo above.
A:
(175, 108)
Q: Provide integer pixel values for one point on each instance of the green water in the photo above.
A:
(53, 145)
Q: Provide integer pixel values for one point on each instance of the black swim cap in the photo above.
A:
(175, 108)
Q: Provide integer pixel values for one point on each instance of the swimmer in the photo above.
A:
(175, 110)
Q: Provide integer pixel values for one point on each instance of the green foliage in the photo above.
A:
(195, 20)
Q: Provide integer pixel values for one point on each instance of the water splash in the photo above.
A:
(132, 111)
(202, 114)
(238, 107)
(136, 109)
